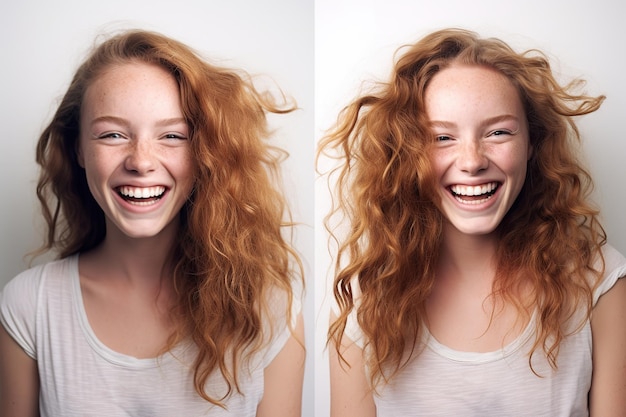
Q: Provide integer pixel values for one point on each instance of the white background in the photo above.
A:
(43, 42)
(355, 41)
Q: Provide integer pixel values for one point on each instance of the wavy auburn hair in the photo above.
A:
(385, 189)
(231, 257)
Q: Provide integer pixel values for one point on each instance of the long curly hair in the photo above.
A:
(233, 254)
(384, 194)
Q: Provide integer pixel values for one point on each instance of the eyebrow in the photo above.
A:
(484, 123)
(121, 121)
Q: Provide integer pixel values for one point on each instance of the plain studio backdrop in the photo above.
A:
(44, 42)
(355, 42)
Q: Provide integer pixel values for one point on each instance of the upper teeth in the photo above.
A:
(470, 190)
(142, 192)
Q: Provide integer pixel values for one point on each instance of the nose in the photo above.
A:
(141, 157)
(471, 157)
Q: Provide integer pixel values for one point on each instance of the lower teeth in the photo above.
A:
(472, 202)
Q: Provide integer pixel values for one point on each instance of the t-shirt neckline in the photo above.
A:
(92, 339)
(469, 357)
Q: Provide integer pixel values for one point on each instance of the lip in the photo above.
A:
(477, 196)
(474, 190)
(140, 197)
(141, 191)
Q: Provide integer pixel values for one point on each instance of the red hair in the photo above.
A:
(231, 259)
(551, 236)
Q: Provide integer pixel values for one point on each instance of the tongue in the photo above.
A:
(139, 200)
(473, 197)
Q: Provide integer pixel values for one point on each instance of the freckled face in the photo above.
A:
(482, 145)
(134, 149)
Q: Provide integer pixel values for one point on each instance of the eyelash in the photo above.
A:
(174, 136)
(116, 135)
(498, 132)
(111, 135)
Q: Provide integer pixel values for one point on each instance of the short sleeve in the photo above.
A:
(18, 309)
(352, 331)
(281, 331)
(614, 269)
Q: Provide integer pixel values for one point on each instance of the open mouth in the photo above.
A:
(142, 196)
(474, 194)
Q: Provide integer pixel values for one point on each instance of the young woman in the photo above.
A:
(474, 278)
(175, 291)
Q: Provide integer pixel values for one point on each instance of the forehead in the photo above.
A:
(459, 73)
(129, 74)
(132, 84)
(462, 87)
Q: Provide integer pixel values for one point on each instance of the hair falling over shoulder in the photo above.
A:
(384, 192)
(233, 264)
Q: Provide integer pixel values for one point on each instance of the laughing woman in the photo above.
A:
(175, 291)
(474, 279)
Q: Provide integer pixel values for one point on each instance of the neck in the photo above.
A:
(137, 261)
(469, 257)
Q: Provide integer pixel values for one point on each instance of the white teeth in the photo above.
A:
(142, 192)
(468, 190)
(471, 202)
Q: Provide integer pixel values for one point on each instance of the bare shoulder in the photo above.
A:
(350, 391)
(19, 379)
(283, 378)
(608, 325)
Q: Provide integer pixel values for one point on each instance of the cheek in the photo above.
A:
(94, 162)
(81, 151)
(431, 170)
(516, 165)
(99, 168)
(186, 168)
(439, 163)
(523, 155)
(437, 160)
(89, 165)
(79, 157)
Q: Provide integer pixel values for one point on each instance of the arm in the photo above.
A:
(608, 325)
(350, 392)
(282, 395)
(19, 380)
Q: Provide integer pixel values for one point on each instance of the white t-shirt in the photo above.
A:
(444, 382)
(42, 309)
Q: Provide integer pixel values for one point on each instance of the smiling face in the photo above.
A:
(482, 145)
(134, 148)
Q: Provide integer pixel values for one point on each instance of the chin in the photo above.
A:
(139, 231)
(468, 227)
